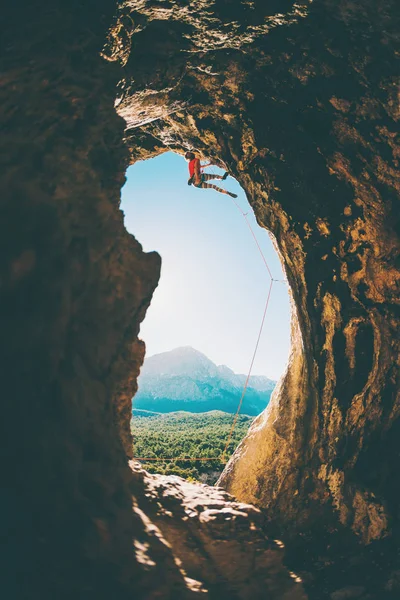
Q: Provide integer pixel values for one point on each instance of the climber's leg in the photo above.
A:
(208, 176)
(205, 185)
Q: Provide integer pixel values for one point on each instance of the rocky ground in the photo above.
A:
(218, 544)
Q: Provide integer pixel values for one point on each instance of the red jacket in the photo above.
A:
(192, 166)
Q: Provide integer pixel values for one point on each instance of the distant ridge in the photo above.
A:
(138, 412)
(184, 379)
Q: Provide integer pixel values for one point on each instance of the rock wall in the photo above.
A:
(300, 102)
(74, 288)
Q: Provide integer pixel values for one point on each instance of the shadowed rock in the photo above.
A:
(218, 544)
(300, 103)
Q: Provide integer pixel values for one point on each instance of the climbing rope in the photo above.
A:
(249, 374)
(222, 458)
(244, 215)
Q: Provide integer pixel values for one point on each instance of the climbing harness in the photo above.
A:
(222, 458)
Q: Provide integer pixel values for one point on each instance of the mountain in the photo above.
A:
(185, 379)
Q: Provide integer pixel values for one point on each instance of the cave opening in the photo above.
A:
(202, 324)
(304, 109)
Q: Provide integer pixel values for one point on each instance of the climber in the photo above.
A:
(199, 179)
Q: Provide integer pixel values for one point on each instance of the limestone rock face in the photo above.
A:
(300, 102)
(74, 288)
(302, 107)
(218, 544)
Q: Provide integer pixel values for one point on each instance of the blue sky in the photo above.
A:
(214, 284)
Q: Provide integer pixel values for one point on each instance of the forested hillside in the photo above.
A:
(186, 435)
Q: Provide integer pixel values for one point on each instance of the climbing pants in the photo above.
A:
(206, 177)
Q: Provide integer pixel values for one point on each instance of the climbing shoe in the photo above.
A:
(225, 175)
(232, 195)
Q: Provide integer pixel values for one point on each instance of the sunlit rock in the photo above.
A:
(300, 102)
